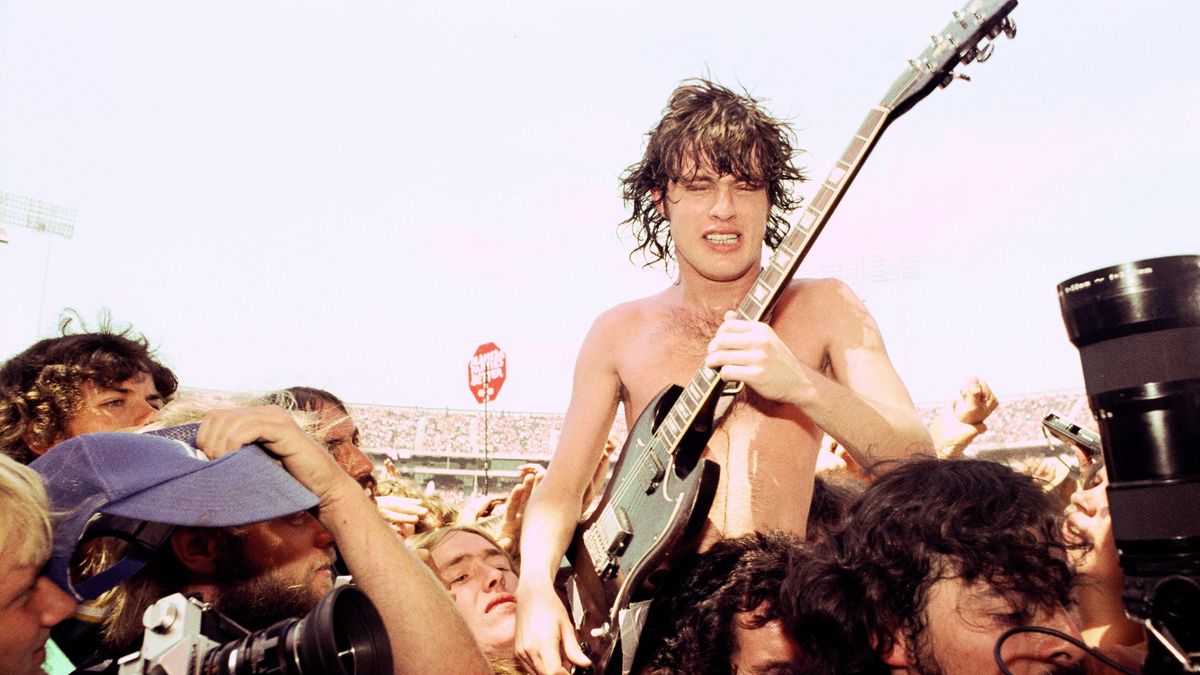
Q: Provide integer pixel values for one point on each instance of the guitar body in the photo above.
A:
(654, 505)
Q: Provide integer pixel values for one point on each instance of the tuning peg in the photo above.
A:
(921, 66)
(952, 76)
(1010, 28)
(985, 52)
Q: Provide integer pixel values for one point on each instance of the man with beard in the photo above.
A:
(938, 558)
(250, 537)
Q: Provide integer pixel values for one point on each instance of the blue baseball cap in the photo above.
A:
(119, 482)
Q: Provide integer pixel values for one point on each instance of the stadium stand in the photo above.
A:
(447, 446)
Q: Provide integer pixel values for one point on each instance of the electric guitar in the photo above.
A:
(661, 490)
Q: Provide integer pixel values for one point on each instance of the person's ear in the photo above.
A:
(31, 442)
(197, 549)
(660, 203)
(897, 656)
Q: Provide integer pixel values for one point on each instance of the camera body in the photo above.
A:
(344, 634)
(175, 642)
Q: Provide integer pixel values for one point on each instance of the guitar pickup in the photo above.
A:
(623, 533)
(658, 471)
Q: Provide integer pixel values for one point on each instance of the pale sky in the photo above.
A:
(355, 195)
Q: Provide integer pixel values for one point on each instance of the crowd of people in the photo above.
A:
(391, 430)
(118, 491)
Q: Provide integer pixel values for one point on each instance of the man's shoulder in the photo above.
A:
(816, 298)
(817, 288)
(633, 312)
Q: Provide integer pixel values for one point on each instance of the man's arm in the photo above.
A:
(545, 636)
(426, 632)
(864, 406)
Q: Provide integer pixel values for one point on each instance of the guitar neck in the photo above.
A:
(774, 277)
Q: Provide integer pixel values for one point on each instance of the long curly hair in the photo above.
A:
(706, 122)
(972, 520)
(743, 574)
(39, 388)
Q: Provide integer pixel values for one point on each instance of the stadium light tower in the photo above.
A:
(39, 216)
(36, 215)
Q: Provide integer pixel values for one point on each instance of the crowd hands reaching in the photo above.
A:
(856, 593)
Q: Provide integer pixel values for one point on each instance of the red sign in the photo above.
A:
(486, 372)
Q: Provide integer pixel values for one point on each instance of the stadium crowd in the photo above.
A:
(118, 492)
(394, 430)
(813, 604)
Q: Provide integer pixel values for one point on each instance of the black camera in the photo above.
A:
(186, 636)
(1137, 327)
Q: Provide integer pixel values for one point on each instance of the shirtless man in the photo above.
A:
(712, 187)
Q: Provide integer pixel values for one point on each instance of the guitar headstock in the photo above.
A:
(968, 37)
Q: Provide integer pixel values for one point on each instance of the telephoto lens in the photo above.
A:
(1137, 327)
(344, 634)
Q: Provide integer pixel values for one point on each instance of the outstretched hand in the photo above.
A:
(514, 508)
(402, 513)
(975, 402)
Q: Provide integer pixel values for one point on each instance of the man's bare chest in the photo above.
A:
(654, 358)
(668, 353)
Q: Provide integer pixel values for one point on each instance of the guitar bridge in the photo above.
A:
(607, 539)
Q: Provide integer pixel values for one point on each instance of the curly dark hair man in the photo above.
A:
(726, 610)
(705, 122)
(947, 556)
(78, 383)
(715, 176)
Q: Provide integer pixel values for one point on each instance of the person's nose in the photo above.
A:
(723, 207)
(496, 579)
(321, 536)
(144, 413)
(356, 463)
(1050, 649)
(1089, 501)
(54, 604)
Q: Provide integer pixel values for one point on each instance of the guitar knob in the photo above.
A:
(952, 76)
(1010, 28)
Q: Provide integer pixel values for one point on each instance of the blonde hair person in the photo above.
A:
(481, 578)
(29, 602)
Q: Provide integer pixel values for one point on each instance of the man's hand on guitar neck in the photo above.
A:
(751, 352)
(545, 637)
